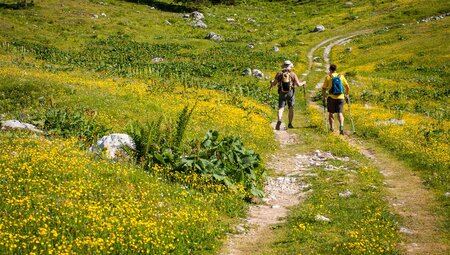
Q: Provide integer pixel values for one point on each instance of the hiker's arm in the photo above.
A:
(297, 82)
(274, 82)
(346, 88)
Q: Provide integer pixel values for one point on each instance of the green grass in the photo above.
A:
(61, 56)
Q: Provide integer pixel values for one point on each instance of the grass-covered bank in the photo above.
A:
(58, 199)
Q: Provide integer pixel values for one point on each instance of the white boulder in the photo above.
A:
(113, 144)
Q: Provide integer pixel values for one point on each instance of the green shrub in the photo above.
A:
(67, 123)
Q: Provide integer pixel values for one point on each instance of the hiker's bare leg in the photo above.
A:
(280, 113)
(291, 114)
(331, 120)
(341, 120)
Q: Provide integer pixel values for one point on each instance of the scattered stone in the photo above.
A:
(186, 16)
(434, 18)
(240, 229)
(405, 230)
(167, 22)
(247, 71)
(275, 49)
(157, 60)
(275, 206)
(319, 28)
(213, 36)
(392, 122)
(113, 144)
(349, 4)
(316, 58)
(322, 218)
(257, 73)
(251, 46)
(349, 49)
(9, 124)
(197, 15)
(230, 20)
(103, 14)
(102, 3)
(447, 194)
(94, 16)
(251, 20)
(199, 23)
(346, 194)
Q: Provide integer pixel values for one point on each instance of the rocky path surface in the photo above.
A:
(281, 191)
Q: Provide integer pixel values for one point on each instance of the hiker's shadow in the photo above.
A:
(162, 6)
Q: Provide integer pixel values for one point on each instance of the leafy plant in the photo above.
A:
(227, 161)
(66, 123)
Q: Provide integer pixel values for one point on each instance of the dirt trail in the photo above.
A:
(408, 197)
(282, 192)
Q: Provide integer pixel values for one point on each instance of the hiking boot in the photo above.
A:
(277, 127)
(290, 125)
(341, 130)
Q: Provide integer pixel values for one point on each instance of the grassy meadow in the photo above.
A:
(83, 69)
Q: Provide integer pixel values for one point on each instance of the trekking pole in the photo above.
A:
(325, 115)
(306, 105)
(350, 113)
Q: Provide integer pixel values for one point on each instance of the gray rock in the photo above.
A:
(392, 122)
(230, 20)
(251, 46)
(157, 60)
(346, 194)
(258, 74)
(186, 16)
(199, 23)
(275, 49)
(213, 36)
(247, 71)
(251, 20)
(7, 124)
(405, 230)
(198, 15)
(349, 4)
(319, 28)
(348, 49)
(113, 144)
(447, 194)
(321, 218)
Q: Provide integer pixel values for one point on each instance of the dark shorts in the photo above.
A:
(335, 105)
(284, 98)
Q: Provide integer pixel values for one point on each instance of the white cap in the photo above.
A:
(287, 64)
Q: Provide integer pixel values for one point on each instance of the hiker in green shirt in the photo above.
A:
(337, 87)
(286, 81)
